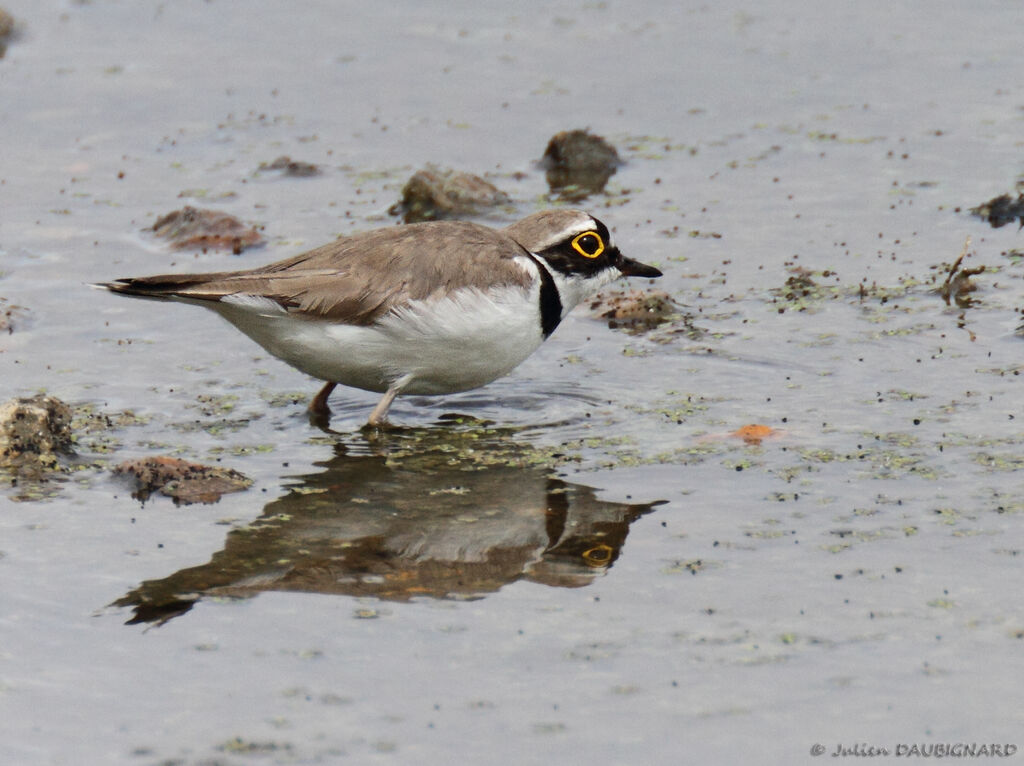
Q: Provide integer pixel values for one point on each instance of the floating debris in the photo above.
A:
(290, 167)
(754, 433)
(182, 480)
(206, 229)
(436, 193)
(803, 290)
(1001, 210)
(958, 285)
(579, 163)
(34, 433)
(9, 314)
(800, 284)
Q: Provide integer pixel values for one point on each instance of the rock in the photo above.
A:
(181, 480)
(579, 163)
(34, 432)
(290, 167)
(436, 193)
(206, 229)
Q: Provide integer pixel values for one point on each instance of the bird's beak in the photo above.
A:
(631, 268)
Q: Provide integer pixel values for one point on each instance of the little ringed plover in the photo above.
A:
(426, 308)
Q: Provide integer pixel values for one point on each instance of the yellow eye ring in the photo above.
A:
(598, 556)
(588, 244)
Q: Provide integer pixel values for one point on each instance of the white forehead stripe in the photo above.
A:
(578, 227)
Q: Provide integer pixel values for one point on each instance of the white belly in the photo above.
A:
(440, 346)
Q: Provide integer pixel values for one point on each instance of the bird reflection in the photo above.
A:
(410, 515)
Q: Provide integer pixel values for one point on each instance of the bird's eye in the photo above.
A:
(588, 244)
(598, 556)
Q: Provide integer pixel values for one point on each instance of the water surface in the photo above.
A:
(507, 585)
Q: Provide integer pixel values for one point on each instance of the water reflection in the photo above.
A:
(416, 514)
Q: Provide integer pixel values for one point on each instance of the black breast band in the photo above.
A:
(550, 301)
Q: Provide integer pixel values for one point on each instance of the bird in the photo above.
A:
(422, 309)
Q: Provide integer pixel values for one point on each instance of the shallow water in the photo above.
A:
(508, 586)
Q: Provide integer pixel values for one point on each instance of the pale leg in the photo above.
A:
(379, 415)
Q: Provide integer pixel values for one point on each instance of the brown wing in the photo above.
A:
(357, 279)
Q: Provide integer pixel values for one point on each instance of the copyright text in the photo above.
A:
(918, 750)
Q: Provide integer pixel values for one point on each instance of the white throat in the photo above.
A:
(573, 289)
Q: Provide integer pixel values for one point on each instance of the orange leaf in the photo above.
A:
(754, 433)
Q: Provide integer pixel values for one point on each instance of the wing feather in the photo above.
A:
(359, 278)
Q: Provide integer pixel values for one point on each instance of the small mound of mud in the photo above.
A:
(181, 480)
(8, 30)
(206, 229)
(290, 167)
(34, 433)
(1001, 210)
(578, 163)
(637, 310)
(436, 193)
